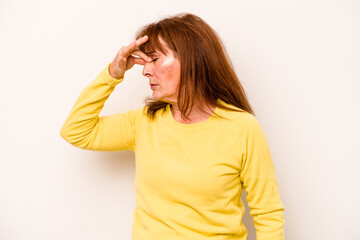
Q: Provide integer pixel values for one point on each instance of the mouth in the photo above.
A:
(153, 85)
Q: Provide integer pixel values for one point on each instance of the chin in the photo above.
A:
(156, 97)
(161, 98)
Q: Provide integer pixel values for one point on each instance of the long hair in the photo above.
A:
(206, 72)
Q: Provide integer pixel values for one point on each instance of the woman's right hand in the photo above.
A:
(124, 60)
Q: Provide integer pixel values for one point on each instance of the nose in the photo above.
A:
(147, 70)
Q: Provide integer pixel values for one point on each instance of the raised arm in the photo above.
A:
(260, 183)
(84, 128)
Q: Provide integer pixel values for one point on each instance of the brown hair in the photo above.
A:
(206, 70)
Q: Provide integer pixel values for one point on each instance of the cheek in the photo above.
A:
(169, 66)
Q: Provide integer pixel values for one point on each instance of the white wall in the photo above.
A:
(298, 61)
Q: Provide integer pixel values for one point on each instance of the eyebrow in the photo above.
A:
(150, 53)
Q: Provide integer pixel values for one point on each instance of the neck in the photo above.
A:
(195, 116)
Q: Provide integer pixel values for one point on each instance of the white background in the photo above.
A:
(298, 61)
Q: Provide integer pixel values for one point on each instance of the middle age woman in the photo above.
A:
(197, 143)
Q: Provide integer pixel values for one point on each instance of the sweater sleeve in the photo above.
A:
(84, 128)
(259, 180)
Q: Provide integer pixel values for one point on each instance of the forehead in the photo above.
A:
(155, 46)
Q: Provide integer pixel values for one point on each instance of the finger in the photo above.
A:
(141, 40)
(139, 61)
(132, 46)
(142, 55)
(134, 60)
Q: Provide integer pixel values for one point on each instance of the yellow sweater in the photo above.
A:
(189, 177)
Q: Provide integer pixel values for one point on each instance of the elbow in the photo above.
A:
(74, 138)
(270, 225)
(68, 135)
(271, 218)
(65, 134)
(273, 214)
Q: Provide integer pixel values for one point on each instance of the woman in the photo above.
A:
(197, 143)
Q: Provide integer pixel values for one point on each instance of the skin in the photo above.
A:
(164, 75)
(163, 72)
(124, 59)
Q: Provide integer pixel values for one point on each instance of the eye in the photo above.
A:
(155, 59)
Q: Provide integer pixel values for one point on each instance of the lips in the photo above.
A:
(153, 85)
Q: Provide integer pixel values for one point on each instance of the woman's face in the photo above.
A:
(164, 75)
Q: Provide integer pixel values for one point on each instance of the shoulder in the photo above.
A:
(237, 116)
(240, 122)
